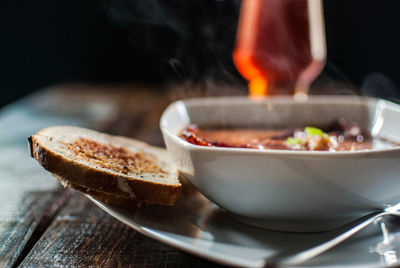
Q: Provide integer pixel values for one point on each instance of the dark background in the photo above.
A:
(47, 42)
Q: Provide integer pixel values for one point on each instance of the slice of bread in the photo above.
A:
(120, 167)
(101, 196)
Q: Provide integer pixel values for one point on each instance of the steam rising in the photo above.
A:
(333, 81)
(379, 85)
(193, 43)
(193, 40)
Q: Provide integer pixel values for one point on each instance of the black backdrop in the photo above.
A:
(45, 42)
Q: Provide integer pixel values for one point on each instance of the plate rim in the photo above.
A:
(189, 248)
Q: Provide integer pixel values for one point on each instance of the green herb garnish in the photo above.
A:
(293, 141)
(312, 131)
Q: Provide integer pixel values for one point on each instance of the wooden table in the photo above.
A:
(42, 224)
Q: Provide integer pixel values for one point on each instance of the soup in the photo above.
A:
(339, 136)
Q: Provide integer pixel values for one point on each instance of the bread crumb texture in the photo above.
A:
(117, 159)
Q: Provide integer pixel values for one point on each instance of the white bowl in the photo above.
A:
(282, 189)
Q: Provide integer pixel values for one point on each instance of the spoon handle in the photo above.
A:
(296, 258)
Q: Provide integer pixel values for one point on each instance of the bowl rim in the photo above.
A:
(343, 99)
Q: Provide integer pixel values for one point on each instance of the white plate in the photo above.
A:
(198, 226)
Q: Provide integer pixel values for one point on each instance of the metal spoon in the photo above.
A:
(297, 257)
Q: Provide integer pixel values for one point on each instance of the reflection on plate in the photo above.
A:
(199, 227)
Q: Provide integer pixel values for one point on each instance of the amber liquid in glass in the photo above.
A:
(280, 45)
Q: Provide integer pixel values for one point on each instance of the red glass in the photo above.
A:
(280, 45)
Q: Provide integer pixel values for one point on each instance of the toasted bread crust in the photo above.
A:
(101, 196)
(107, 182)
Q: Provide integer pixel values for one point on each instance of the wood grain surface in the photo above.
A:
(42, 224)
(83, 235)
